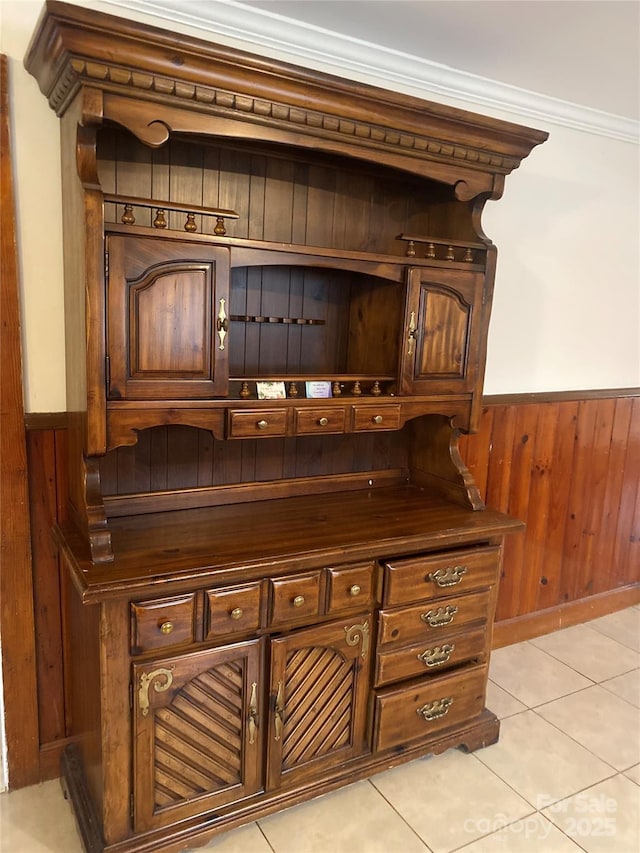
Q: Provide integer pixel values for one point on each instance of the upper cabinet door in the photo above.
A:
(441, 344)
(167, 319)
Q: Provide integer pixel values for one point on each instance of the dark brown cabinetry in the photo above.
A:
(320, 685)
(166, 319)
(197, 745)
(283, 577)
(442, 332)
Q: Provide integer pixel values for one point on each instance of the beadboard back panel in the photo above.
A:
(567, 465)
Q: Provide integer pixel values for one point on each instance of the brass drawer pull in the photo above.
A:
(439, 617)
(377, 419)
(298, 601)
(262, 424)
(450, 576)
(436, 709)
(166, 627)
(236, 613)
(437, 656)
(355, 590)
(323, 421)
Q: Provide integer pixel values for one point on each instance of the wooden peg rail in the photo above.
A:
(160, 221)
(438, 249)
(294, 321)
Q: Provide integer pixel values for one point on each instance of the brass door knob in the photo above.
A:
(298, 601)
(355, 590)
(262, 424)
(166, 627)
(236, 613)
(323, 421)
(377, 419)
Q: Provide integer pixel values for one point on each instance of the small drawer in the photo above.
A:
(426, 658)
(295, 598)
(233, 610)
(316, 421)
(257, 423)
(162, 623)
(439, 575)
(432, 620)
(423, 709)
(349, 588)
(373, 417)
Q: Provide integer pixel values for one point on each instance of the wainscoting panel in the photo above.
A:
(570, 469)
(568, 465)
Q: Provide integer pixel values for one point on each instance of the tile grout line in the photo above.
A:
(584, 675)
(406, 822)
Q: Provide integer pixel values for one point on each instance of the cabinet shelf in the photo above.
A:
(250, 252)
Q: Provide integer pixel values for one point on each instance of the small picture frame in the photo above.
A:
(270, 390)
(318, 389)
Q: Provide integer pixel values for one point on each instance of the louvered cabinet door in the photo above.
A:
(197, 733)
(318, 700)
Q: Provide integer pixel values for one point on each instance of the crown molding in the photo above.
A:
(231, 22)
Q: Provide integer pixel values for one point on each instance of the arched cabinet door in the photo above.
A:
(442, 331)
(197, 735)
(167, 319)
(318, 700)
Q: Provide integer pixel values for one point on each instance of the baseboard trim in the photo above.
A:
(530, 625)
(51, 757)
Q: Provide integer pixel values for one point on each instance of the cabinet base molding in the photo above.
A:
(473, 735)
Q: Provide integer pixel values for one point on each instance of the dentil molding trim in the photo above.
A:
(231, 22)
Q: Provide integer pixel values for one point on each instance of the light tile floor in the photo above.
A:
(564, 777)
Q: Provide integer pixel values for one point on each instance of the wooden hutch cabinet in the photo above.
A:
(277, 294)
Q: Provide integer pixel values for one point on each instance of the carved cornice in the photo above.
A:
(246, 108)
(75, 48)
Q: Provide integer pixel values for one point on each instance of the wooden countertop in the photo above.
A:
(228, 544)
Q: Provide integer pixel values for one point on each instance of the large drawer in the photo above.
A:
(429, 621)
(424, 708)
(439, 575)
(424, 658)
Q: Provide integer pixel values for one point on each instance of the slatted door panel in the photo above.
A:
(197, 734)
(319, 680)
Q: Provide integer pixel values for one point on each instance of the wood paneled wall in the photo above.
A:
(570, 469)
(567, 465)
